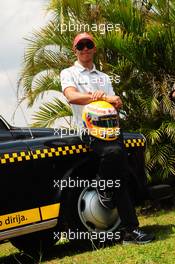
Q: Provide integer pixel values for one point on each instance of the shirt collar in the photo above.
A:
(81, 68)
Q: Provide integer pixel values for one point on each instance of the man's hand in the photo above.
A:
(115, 101)
(97, 95)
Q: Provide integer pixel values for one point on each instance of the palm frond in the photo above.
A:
(50, 112)
(154, 136)
(140, 48)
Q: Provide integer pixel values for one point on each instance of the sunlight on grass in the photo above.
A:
(161, 251)
(7, 249)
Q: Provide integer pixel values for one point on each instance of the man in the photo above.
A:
(82, 84)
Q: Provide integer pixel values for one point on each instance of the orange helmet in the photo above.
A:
(101, 120)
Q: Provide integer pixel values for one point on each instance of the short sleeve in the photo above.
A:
(110, 89)
(66, 79)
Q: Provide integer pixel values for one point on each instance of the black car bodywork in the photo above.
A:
(32, 164)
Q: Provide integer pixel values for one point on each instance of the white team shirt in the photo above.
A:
(85, 81)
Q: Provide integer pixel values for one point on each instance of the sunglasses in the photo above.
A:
(87, 44)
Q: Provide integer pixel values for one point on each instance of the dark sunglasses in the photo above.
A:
(82, 45)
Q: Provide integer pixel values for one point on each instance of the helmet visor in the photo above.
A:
(106, 121)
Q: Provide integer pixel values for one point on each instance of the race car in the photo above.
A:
(41, 195)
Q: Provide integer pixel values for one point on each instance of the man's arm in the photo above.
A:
(71, 92)
(76, 97)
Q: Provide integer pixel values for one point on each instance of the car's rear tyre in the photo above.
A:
(35, 244)
(88, 222)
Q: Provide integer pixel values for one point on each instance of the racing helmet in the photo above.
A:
(100, 120)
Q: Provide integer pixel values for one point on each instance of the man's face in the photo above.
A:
(85, 50)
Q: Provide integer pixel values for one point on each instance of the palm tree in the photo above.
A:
(140, 49)
(48, 52)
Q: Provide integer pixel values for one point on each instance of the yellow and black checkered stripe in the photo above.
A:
(15, 157)
(132, 143)
(43, 153)
(59, 151)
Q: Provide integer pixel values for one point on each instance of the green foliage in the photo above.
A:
(140, 49)
(49, 112)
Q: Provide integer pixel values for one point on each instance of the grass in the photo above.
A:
(161, 251)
